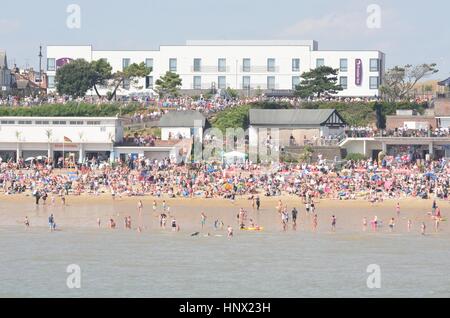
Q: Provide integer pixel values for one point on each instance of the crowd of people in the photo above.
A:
(392, 178)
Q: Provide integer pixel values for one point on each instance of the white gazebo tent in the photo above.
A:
(234, 157)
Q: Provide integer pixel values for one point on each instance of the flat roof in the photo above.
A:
(252, 42)
(55, 118)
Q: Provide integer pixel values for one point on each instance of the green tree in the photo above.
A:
(399, 82)
(102, 73)
(74, 78)
(317, 82)
(131, 73)
(232, 92)
(168, 85)
(307, 154)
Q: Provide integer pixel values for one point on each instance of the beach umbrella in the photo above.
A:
(30, 159)
(375, 177)
(430, 175)
(41, 157)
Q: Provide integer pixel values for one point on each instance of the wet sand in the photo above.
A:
(83, 211)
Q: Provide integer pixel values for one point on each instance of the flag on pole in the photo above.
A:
(67, 139)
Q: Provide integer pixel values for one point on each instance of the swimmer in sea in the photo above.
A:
(409, 225)
(98, 222)
(364, 224)
(391, 224)
(333, 223)
(423, 227)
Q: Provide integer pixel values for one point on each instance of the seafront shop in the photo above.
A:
(74, 138)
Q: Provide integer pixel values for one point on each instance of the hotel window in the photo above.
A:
(343, 80)
(270, 65)
(295, 81)
(197, 65)
(222, 65)
(149, 82)
(149, 63)
(222, 82)
(126, 84)
(51, 65)
(197, 82)
(76, 122)
(41, 122)
(246, 82)
(270, 82)
(343, 65)
(8, 122)
(246, 65)
(320, 62)
(374, 65)
(173, 65)
(295, 65)
(58, 122)
(24, 122)
(51, 82)
(374, 82)
(125, 63)
(93, 122)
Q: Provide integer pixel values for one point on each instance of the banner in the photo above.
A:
(358, 72)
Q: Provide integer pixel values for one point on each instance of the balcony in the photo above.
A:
(260, 69)
(210, 69)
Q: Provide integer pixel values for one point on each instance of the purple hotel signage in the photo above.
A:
(63, 61)
(358, 72)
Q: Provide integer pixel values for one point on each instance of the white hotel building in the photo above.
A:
(241, 65)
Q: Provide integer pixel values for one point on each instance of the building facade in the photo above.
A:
(242, 65)
(53, 137)
(6, 79)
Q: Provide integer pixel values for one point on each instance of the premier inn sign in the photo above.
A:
(358, 72)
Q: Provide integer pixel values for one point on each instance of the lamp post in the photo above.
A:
(40, 67)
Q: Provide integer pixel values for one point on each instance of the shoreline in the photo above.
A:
(83, 211)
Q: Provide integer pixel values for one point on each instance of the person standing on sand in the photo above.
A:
(154, 205)
(26, 222)
(203, 219)
(333, 223)
(51, 222)
(174, 224)
(140, 206)
(397, 209)
(229, 232)
(258, 203)
(314, 223)
(436, 224)
(294, 218)
(37, 196)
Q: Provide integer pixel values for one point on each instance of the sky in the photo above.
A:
(408, 32)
